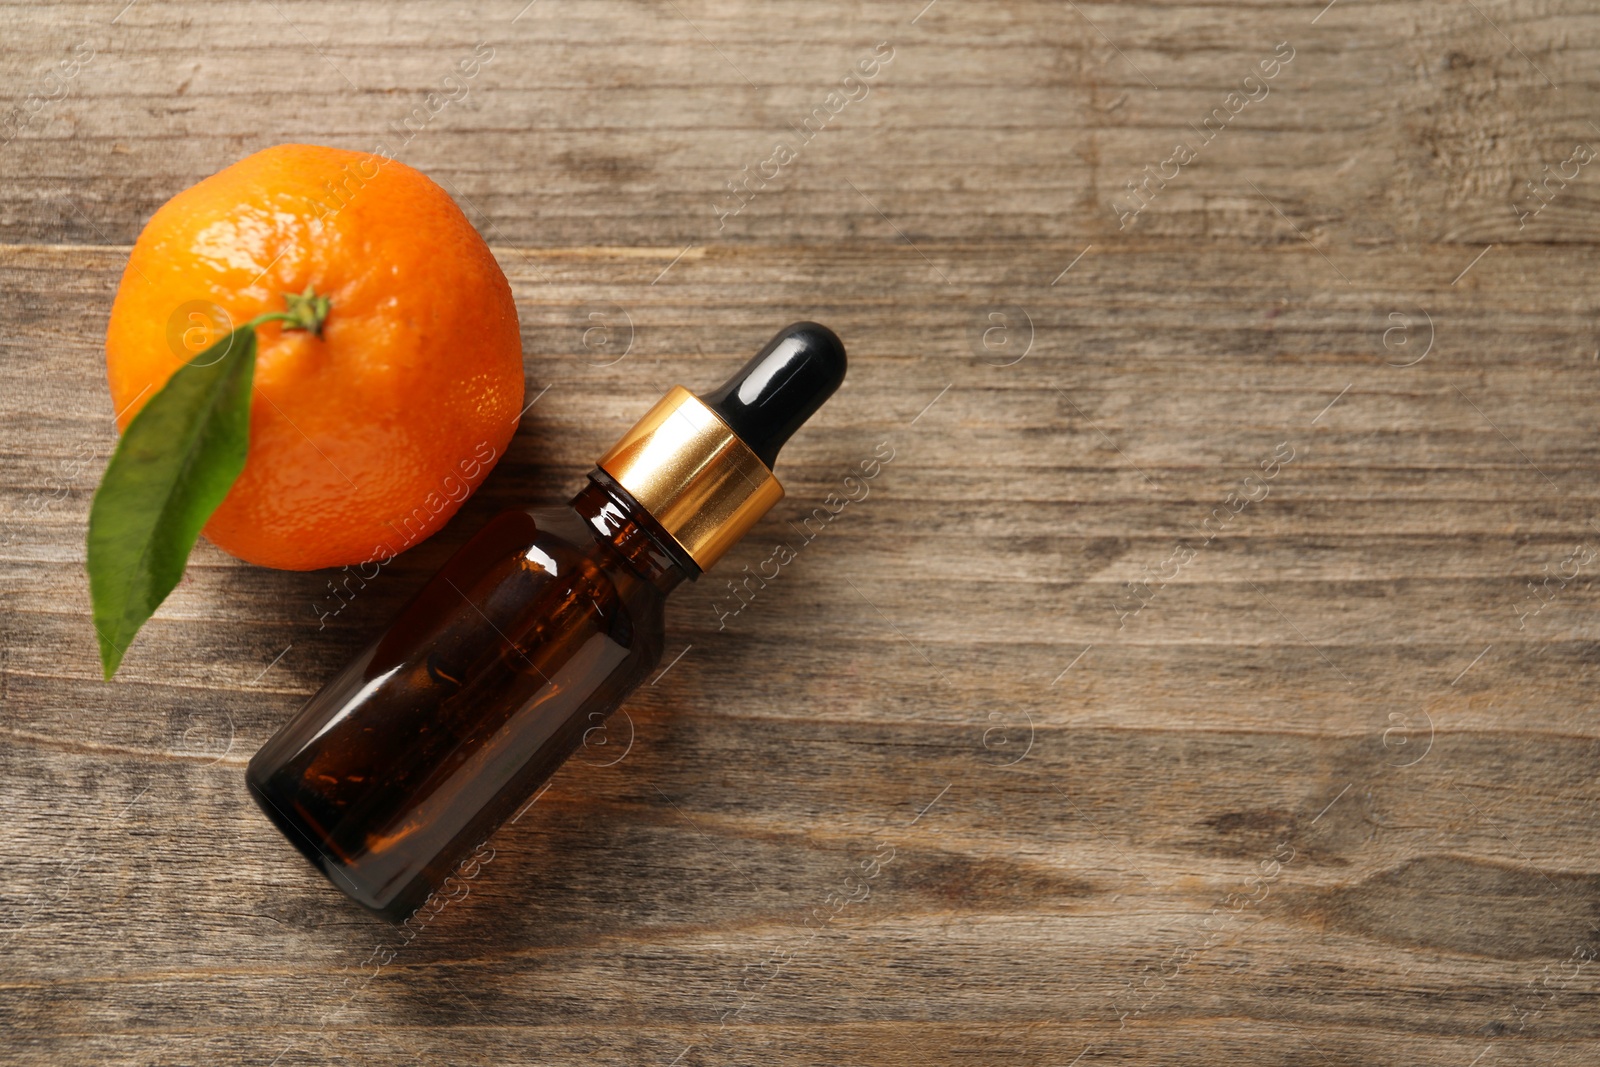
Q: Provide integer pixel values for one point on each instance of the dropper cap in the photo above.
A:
(702, 466)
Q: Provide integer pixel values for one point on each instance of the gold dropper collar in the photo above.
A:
(693, 475)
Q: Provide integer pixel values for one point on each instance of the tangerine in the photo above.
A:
(367, 437)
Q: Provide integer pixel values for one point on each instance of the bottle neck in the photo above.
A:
(617, 519)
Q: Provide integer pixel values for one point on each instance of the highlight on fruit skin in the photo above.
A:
(374, 381)
(366, 439)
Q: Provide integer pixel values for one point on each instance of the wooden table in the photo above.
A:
(1206, 679)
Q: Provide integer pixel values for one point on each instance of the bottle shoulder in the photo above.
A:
(529, 562)
(560, 536)
(556, 541)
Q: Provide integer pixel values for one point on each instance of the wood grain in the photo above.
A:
(1321, 792)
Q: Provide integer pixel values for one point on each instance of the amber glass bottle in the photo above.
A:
(530, 635)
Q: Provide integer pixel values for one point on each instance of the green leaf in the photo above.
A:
(173, 466)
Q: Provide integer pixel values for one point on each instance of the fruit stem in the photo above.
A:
(306, 311)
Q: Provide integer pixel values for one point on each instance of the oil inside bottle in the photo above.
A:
(528, 637)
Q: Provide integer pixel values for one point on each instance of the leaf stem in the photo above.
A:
(306, 311)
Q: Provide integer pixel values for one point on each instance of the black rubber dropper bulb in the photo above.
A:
(782, 386)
